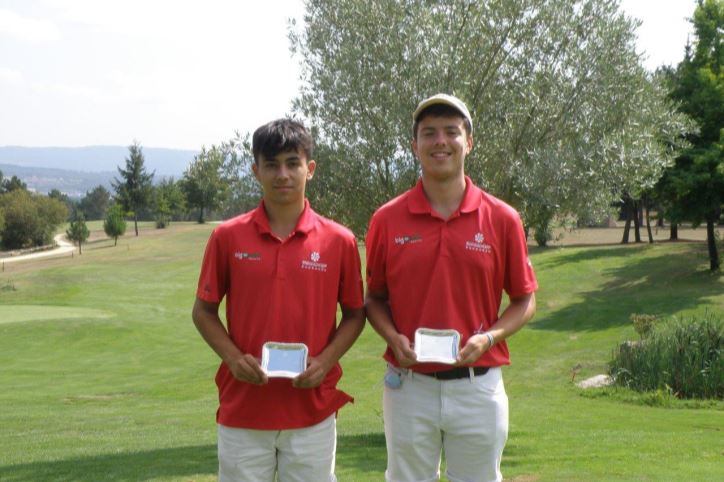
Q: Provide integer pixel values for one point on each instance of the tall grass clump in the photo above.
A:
(683, 357)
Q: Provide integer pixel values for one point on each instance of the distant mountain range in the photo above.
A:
(76, 170)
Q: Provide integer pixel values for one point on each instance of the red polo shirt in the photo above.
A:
(283, 291)
(448, 273)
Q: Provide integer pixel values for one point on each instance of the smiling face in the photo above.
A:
(284, 177)
(441, 144)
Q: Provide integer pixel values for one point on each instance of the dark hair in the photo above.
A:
(281, 135)
(440, 110)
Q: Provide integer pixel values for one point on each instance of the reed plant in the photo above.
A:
(682, 356)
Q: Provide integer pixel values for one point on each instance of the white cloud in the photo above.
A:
(10, 76)
(28, 29)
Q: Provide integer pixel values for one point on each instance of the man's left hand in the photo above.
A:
(473, 349)
(313, 376)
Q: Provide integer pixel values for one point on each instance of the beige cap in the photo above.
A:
(444, 99)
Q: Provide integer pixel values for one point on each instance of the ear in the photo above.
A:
(255, 169)
(311, 167)
(414, 147)
(469, 145)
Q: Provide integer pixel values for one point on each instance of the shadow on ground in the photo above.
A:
(169, 462)
(657, 284)
(355, 453)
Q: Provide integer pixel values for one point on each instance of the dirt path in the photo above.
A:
(63, 247)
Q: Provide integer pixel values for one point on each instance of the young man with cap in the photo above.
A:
(439, 257)
(282, 269)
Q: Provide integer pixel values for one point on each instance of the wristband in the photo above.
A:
(491, 340)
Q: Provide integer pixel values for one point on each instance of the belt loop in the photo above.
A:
(471, 372)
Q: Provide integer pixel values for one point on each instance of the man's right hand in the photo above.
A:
(246, 368)
(406, 356)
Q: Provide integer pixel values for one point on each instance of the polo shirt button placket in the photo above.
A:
(281, 262)
(444, 242)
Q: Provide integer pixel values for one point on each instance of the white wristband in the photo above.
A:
(491, 340)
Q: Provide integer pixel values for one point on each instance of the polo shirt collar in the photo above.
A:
(419, 204)
(305, 223)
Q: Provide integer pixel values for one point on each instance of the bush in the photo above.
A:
(643, 323)
(30, 219)
(680, 357)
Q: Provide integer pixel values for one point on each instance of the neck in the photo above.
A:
(445, 195)
(283, 218)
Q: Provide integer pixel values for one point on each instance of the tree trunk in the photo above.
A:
(116, 241)
(135, 222)
(627, 226)
(714, 263)
(637, 223)
(80, 247)
(201, 215)
(648, 225)
(674, 232)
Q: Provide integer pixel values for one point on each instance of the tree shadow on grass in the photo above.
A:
(661, 285)
(168, 462)
(586, 253)
(356, 453)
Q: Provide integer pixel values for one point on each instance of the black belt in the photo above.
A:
(456, 373)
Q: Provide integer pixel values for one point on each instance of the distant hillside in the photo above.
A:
(96, 159)
(73, 183)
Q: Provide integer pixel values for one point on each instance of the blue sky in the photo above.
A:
(180, 73)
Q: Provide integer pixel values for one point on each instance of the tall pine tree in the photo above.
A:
(134, 189)
(693, 189)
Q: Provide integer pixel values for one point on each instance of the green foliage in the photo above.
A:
(64, 198)
(565, 115)
(169, 202)
(95, 202)
(693, 189)
(78, 231)
(114, 225)
(244, 190)
(204, 182)
(684, 357)
(12, 184)
(30, 219)
(134, 188)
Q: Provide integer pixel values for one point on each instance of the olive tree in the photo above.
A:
(565, 114)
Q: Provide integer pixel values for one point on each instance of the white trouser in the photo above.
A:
(297, 455)
(467, 418)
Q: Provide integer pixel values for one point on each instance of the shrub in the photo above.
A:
(643, 323)
(681, 357)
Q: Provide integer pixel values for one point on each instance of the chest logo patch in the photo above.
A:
(313, 262)
(243, 256)
(411, 239)
(478, 244)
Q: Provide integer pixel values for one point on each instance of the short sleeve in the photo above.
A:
(213, 280)
(376, 253)
(350, 285)
(520, 278)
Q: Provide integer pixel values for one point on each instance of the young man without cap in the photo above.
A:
(282, 269)
(440, 256)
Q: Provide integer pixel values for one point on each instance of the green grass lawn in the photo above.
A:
(104, 376)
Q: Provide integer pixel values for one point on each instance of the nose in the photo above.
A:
(283, 171)
(439, 138)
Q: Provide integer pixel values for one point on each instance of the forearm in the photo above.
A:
(212, 330)
(514, 317)
(349, 329)
(380, 317)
